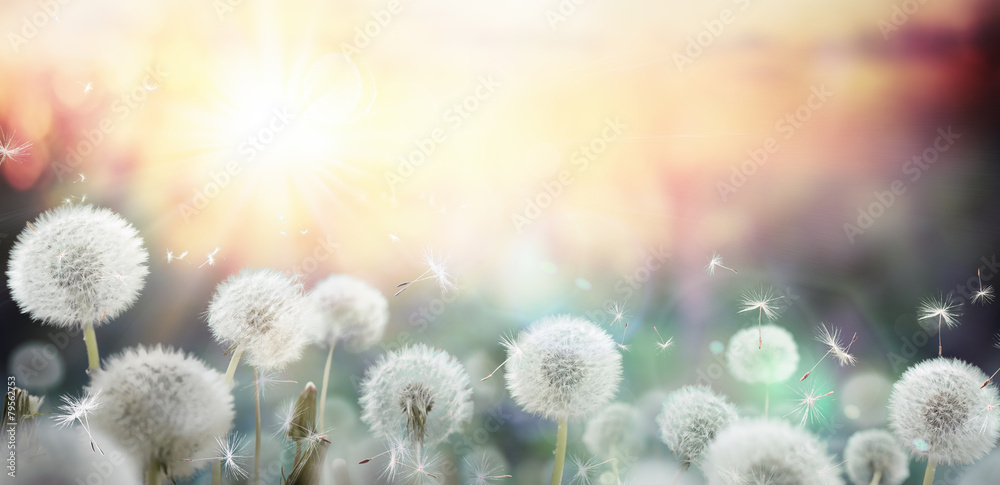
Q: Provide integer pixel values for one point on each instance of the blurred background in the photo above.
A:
(563, 156)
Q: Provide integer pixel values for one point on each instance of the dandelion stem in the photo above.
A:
(939, 336)
(557, 467)
(680, 471)
(760, 332)
(217, 472)
(322, 397)
(877, 477)
(153, 475)
(233, 362)
(90, 338)
(256, 449)
(614, 461)
(929, 473)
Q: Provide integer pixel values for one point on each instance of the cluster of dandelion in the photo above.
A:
(172, 415)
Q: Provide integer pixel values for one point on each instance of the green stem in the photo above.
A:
(929, 473)
(256, 449)
(90, 338)
(322, 397)
(613, 451)
(557, 467)
(216, 472)
(233, 362)
(876, 477)
(153, 475)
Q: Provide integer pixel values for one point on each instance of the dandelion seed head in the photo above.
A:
(774, 362)
(260, 311)
(418, 392)
(564, 366)
(347, 312)
(63, 267)
(876, 449)
(690, 419)
(165, 405)
(940, 401)
(947, 309)
(762, 451)
(984, 295)
(68, 459)
(614, 432)
(761, 300)
(831, 339)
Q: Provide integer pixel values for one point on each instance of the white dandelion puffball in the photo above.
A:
(772, 452)
(614, 433)
(774, 361)
(163, 405)
(261, 311)
(938, 411)
(348, 312)
(876, 449)
(691, 418)
(66, 458)
(77, 264)
(418, 392)
(563, 367)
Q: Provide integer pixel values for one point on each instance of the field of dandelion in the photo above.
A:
(556, 241)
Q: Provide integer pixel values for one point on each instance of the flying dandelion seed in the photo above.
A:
(485, 470)
(617, 312)
(984, 294)
(83, 178)
(996, 344)
(210, 257)
(394, 238)
(764, 301)
(510, 343)
(835, 347)
(79, 410)
(286, 417)
(171, 257)
(662, 345)
(716, 262)
(10, 150)
(944, 308)
(231, 451)
(808, 406)
(266, 380)
(437, 269)
(587, 471)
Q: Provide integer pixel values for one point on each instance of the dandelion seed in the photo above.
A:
(662, 345)
(266, 380)
(83, 178)
(716, 262)
(304, 232)
(808, 406)
(764, 302)
(835, 347)
(586, 471)
(513, 351)
(394, 238)
(985, 293)
(9, 150)
(437, 269)
(210, 257)
(286, 417)
(149, 87)
(485, 470)
(79, 410)
(944, 308)
(617, 311)
(171, 256)
(87, 88)
(230, 451)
